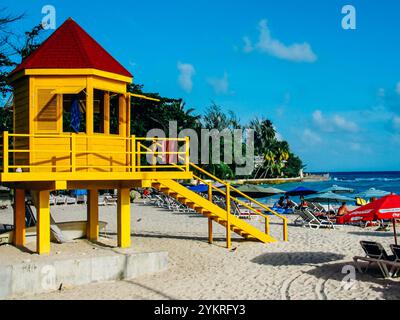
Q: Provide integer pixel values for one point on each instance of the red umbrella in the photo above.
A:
(386, 208)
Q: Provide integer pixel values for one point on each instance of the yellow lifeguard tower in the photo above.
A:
(72, 131)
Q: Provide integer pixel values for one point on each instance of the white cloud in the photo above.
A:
(344, 124)
(310, 137)
(355, 146)
(335, 123)
(298, 52)
(396, 123)
(220, 85)
(281, 109)
(186, 74)
(248, 46)
(318, 118)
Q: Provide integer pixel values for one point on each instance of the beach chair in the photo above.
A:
(71, 200)
(307, 219)
(3, 205)
(52, 200)
(396, 252)
(375, 254)
(81, 199)
(240, 211)
(102, 201)
(317, 208)
(61, 200)
(110, 200)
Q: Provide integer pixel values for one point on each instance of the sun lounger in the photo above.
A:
(110, 200)
(308, 219)
(52, 200)
(81, 199)
(102, 201)
(71, 200)
(240, 211)
(375, 254)
(61, 200)
(317, 208)
(396, 252)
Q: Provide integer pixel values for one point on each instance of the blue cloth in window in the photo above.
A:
(75, 116)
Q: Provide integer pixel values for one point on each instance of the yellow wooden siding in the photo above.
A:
(47, 115)
(21, 120)
(21, 107)
(105, 153)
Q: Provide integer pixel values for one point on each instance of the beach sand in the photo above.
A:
(309, 266)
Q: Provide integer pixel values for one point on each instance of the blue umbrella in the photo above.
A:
(300, 191)
(201, 188)
(373, 193)
(75, 116)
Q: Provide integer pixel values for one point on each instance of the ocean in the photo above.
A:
(359, 181)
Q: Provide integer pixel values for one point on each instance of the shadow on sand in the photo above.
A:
(296, 258)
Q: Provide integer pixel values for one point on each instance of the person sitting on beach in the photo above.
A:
(289, 204)
(343, 210)
(281, 202)
(303, 203)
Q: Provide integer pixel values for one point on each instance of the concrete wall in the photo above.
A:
(38, 277)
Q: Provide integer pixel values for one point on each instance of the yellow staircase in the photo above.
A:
(223, 216)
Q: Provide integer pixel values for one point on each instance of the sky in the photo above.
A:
(332, 93)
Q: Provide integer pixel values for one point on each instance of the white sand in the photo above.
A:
(309, 266)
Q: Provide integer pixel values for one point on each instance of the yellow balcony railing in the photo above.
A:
(22, 153)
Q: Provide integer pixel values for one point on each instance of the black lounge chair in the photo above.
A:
(375, 253)
(395, 267)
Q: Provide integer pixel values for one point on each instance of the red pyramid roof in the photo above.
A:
(71, 47)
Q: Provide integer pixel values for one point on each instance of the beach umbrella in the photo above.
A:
(373, 193)
(300, 191)
(386, 208)
(201, 188)
(257, 191)
(328, 197)
(337, 189)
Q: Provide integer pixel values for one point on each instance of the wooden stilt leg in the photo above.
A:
(210, 231)
(93, 216)
(19, 218)
(43, 222)
(124, 219)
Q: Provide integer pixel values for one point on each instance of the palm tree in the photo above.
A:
(264, 134)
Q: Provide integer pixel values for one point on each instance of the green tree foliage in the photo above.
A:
(147, 114)
(6, 52)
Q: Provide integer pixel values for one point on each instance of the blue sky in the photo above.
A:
(334, 94)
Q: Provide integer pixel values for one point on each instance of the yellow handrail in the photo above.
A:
(72, 140)
(284, 219)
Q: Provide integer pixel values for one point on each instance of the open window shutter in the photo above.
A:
(47, 111)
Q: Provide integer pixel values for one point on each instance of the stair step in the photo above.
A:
(210, 210)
